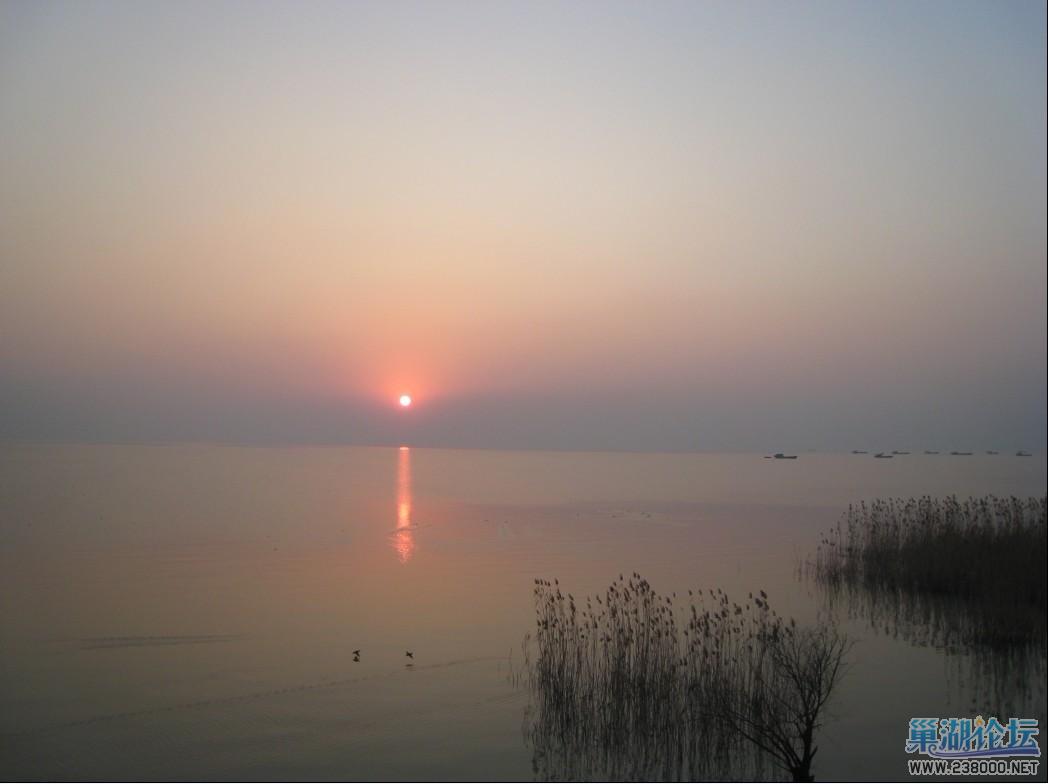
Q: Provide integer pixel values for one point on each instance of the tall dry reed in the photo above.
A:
(987, 553)
(630, 686)
(966, 576)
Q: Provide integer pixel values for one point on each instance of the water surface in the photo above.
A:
(191, 611)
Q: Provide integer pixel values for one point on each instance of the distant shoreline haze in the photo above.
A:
(540, 423)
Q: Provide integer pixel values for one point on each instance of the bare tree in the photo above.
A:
(790, 678)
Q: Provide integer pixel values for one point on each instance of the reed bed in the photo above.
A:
(986, 553)
(966, 576)
(630, 685)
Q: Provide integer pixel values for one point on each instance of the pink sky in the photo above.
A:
(692, 226)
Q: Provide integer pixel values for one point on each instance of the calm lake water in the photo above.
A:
(191, 611)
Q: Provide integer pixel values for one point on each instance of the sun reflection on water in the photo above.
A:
(403, 536)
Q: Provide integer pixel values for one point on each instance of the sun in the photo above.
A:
(405, 401)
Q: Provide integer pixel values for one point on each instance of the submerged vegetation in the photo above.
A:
(966, 576)
(630, 686)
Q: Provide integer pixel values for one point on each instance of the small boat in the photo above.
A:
(897, 452)
(991, 452)
(930, 452)
(883, 456)
(781, 456)
(860, 452)
(1021, 453)
(962, 454)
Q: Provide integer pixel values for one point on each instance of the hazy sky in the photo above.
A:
(638, 225)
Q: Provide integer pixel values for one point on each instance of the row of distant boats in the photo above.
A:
(894, 452)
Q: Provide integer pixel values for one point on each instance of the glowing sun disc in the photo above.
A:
(405, 401)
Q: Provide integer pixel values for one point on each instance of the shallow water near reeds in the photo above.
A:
(174, 612)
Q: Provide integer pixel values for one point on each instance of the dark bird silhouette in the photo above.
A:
(356, 658)
(356, 652)
(409, 654)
